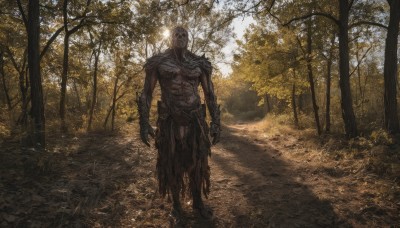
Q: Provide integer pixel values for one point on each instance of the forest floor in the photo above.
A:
(260, 178)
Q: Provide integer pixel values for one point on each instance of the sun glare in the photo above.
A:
(166, 33)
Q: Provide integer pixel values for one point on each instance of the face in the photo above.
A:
(179, 38)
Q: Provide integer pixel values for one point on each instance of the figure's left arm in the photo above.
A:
(213, 107)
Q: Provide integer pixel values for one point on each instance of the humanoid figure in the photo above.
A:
(181, 136)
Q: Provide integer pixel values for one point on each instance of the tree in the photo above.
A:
(390, 69)
(37, 107)
(4, 83)
(273, 63)
(308, 56)
(64, 78)
(344, 68)
(96, 54)
(329, 60)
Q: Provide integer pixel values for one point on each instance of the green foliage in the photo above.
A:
(273, 58)
(127, 33)
(268, 63)
(271, 62)
(238, 100)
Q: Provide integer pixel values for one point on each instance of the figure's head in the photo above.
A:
(179, 38)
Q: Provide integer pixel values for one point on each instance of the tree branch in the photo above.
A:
(11, 56)
(359, 63)
(73, 30)
(310, 15)
(54, 36)
(50, 41)
(21, 10)
(273, 15)
(301, 46)
(351, 4)
(367, 23)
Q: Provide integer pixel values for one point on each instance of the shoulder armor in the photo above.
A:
(202, 62)
(153, 62)
(206, 65)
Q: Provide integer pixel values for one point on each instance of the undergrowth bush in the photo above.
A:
(381, 137)
(4, 131)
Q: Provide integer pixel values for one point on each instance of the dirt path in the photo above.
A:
(260, 188)
(258, 180)
(264, 181)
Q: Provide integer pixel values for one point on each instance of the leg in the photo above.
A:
(176, 186)
(176, 203)
(177, 216)
(198, 204)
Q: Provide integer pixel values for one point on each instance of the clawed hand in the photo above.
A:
(215, 132)
(216, 137)
(145, 132)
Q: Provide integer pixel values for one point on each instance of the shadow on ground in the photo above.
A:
(273, 194)
(103, 180)
(76, 183)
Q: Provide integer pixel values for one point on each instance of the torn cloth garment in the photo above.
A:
(183, 150)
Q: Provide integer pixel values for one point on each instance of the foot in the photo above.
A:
(204, 211)
(177, 217)
(177, 210)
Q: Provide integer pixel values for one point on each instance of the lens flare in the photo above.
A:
(166, 33)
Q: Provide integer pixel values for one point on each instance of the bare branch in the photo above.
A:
(73, 30)
(367, 23)
(351, 4)
(54, 36)
(11, 56)
(268, 10)
(50, 41)
(326, 15)
(362, 58)
(21, 10)
(301, 46)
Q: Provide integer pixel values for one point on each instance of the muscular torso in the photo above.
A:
(179, 83)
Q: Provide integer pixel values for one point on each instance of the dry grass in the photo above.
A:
(365, 170)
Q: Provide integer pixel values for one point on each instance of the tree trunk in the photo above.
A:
(78, 97)
(107, 116)
(37, 107)
(301, 103)
(311, 76)
(64, 79)
(94, 94)
(64, 76)
(296, 119)
(344, 82)
(360, 98)
(3, 80)
(267, 104)
(328, 86)
(114, 102)
(111, 110)
(23, 79)
(23, 87)
(390, 69)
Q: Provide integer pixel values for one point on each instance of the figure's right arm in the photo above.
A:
(144, 104)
